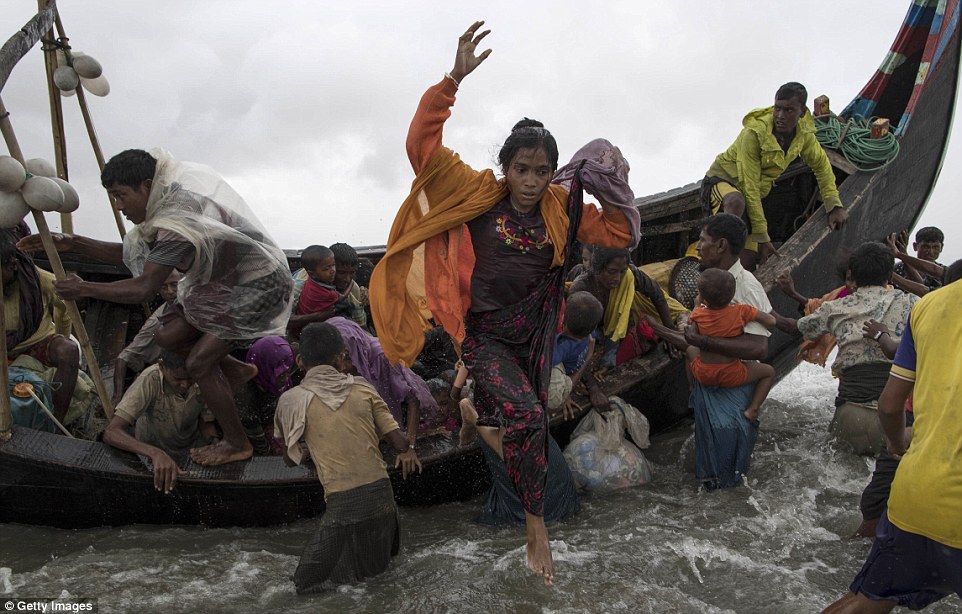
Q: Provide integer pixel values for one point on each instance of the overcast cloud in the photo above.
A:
(304, 106)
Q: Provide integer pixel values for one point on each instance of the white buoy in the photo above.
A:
(71, 200)
(66, 78)
(12, 209)
(87, 67)
(40, 167)
(12, 174)
(97, 87)
(42, 193)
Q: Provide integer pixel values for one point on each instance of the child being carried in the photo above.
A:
(717, 316)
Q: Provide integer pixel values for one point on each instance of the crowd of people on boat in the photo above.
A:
(498, 304)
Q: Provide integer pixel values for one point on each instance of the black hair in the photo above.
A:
(173, 360)
(792, 89)
(528, 134)
(344, 254)
(130, 168)
(436, 385)
(364, 269)
(8, 251)
(953, 273)
(601, 256)
(842, 259)
(320, 344)
(313, 255)
(729, 227)
(871, 264)
(716, 287)
(930, 234)
(582, 313)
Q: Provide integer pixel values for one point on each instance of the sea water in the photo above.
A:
(779, 544)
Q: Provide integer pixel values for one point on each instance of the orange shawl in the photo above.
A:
(426, 269)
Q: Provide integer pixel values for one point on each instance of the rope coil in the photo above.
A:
(853, 139)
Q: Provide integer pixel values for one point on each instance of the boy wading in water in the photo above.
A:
(521, 228)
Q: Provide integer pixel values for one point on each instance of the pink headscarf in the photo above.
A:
(274, 359)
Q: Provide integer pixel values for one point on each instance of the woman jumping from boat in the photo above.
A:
(493, 251)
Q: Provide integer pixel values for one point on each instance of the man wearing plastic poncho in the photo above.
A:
(236, 285)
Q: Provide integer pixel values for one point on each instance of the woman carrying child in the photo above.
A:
(494, 251)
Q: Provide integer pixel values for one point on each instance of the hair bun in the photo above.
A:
(527, 123)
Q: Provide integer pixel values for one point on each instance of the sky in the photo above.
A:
(304, 106)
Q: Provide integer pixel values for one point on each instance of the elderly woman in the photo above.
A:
(494, 252)
(625, 297)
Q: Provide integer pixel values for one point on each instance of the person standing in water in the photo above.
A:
(494, 250)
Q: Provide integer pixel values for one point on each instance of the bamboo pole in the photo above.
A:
(56, 114)
(55, 263)
(91, 134)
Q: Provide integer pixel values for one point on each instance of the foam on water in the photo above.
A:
(775, 545)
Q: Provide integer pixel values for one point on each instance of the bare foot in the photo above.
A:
(219, 453)
(751, 414)
(539, 550)
(469, 422)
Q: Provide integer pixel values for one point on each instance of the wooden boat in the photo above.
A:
(48, 479)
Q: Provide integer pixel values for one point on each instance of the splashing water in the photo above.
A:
(778, 544)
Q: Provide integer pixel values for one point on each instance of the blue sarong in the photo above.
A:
(724, 438)
(502, 506)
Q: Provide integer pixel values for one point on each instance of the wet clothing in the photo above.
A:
(341, 418)
(844, 318)
(926, 496)
(160, 416)
(356, 537)
(427, 240)
(755, 161)
(569, 352)
(724, 438)
(502, 505)
(508, 354)
(512, 254)
(237, 284)
(908, 568)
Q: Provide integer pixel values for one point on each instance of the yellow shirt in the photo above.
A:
(926, 496)
(55, 323)
(344, 441)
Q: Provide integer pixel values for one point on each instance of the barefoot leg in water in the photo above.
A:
(539, 550)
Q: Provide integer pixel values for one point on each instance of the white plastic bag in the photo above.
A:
(600, 457)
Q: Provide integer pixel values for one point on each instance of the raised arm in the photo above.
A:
(424, 135)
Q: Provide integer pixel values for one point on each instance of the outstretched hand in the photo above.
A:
(465, 61)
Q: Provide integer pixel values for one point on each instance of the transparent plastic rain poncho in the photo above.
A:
(239, 284)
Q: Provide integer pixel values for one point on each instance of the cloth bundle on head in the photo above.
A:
(605, 176)
(238, 285)
(274, 360)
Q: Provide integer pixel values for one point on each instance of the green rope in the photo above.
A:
(857, 146)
